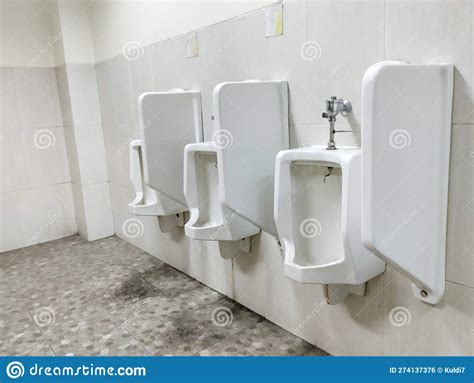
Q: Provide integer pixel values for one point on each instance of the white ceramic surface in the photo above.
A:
(168, 121)
(319, 222)
(406, 130)
(209, 220)
(252, 118)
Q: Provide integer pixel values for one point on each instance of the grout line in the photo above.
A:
(37, 187)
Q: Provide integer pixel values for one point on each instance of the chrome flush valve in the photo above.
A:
(334, 106)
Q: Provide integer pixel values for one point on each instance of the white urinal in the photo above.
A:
(386, 202)
(318, 216)
(229, 181)
(168, 121)
(209, 220)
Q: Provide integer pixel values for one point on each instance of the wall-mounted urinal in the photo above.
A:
(406, 119)
(229, 180)
(318, 214)
(168, 122)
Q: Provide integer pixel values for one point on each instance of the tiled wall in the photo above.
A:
(36, 197)
(350, 37)
(85, 142)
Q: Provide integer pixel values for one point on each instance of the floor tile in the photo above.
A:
(90, 332)
(195, 330)
(126, 292)
(107, 297)
(225, 348)
(184, 341)
(19, 335)
(198, 297)
(113, 344)
(170, 280)
(265, 339)
(158, 311)
(226, 317)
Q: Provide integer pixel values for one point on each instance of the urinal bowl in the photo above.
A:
(318, 218)
(209, 220)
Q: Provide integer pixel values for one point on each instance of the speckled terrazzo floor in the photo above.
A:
(107, 297)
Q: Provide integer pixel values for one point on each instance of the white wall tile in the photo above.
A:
(18, 221)
(280, 58)
(56, 217)
(64, 98)
(206, 265)
(91, 154)
(115, 91)
(249, 274)
(79, 209)
(70, 142)
(105, 87)
(460, 231)
(38, 99)
(83, 94)
(121, 90)
(98, 211)
(14, 160)
(436, 31)
(348, 38)
(422, 329)
(117, 148)
(9, 116)
(32, 158)
(36, 215)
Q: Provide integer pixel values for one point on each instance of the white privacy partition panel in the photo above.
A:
(252, 118)
(406, 129)
(168, 122)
